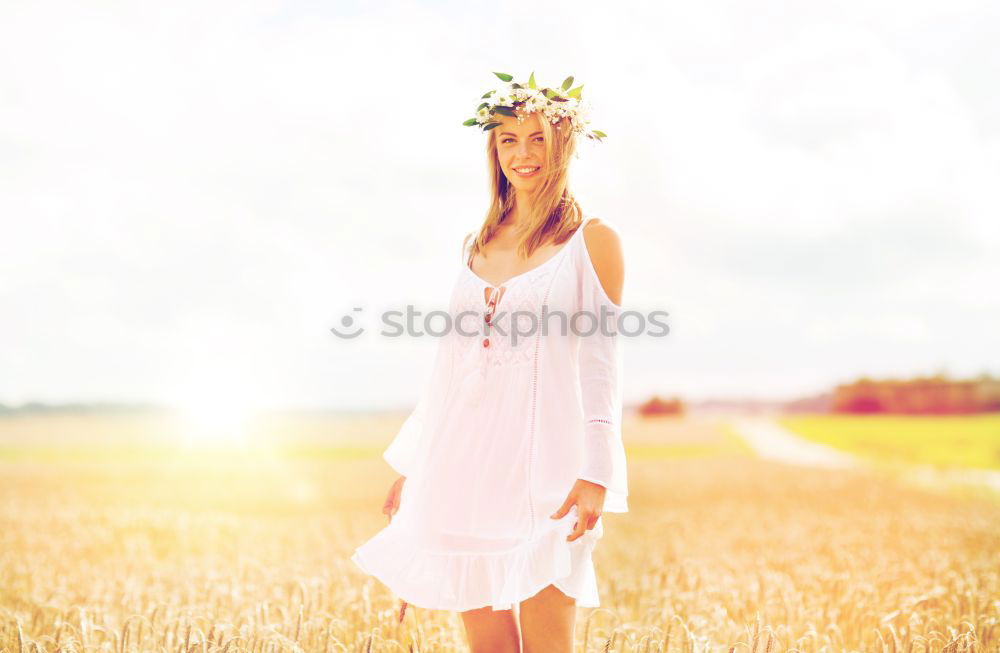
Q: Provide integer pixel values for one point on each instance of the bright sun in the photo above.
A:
(209, 419)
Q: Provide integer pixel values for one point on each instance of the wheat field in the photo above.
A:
(112, 540)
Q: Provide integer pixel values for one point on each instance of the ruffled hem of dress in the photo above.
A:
(463, 581)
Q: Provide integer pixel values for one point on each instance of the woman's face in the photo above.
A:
(521, 151)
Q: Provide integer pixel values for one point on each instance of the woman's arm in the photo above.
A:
(601, 484)
(601, 359)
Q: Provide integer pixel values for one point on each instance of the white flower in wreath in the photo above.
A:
(537, 102)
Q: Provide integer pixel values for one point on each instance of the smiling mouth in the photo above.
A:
(526, 171)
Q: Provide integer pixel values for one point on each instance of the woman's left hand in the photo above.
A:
(589, 500)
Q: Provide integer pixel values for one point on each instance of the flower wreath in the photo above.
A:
(553, 105)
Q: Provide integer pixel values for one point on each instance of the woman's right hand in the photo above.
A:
(391, 505)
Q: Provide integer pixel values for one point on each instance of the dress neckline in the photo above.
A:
(547, 261)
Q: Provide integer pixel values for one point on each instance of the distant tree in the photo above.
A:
(657, 406)
(922, 395)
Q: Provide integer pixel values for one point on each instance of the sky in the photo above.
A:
(193, 193)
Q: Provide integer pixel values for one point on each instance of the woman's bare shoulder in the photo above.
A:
(604, 246)
(467, 243)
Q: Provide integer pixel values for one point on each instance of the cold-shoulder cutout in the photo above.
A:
(605, 258)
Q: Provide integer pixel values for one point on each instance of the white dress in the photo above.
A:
(498, 439)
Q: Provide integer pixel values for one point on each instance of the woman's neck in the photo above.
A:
(518, 214)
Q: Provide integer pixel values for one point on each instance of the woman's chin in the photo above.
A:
(523, 184)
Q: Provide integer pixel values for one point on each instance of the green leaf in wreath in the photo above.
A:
(531, 81)
(470, 121)
(486, 95)
(576, 92)
(490, 125)
(567, 82)
(598, 133)
(505, 111)
(504, 76)
(482, 106)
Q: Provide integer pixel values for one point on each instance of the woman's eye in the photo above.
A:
(504, 141)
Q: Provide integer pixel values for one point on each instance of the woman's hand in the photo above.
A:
(589, 500)
(391, 505)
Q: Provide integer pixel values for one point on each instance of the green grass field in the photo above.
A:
(945, 441)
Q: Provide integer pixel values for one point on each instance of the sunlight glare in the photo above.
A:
(212, 419)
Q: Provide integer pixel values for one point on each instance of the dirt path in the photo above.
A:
(772, 441)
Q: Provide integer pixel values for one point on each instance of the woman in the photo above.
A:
(514, 451)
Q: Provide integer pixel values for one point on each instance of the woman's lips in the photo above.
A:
(530, 174)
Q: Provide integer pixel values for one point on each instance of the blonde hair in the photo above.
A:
(554, 214)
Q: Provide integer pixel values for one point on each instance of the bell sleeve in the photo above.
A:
(600, 363)
(402, 451)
